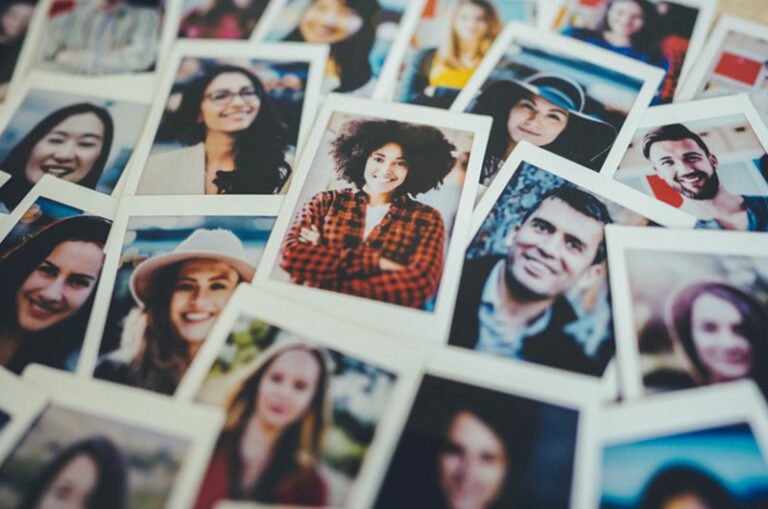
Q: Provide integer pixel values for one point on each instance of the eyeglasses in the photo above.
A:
(223, 97)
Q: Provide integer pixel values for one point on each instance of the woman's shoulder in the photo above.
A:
(306, 486)
(422, 210)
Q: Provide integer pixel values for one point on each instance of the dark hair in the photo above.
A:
(648, 37)
(51, 346)
(425, 149)
(582, 202)
(284, 459)
(676, 480)
(260, 166)
(15, 162)
(246, 18)
(671, 132)
(112, 485)
(754, 325)
(352, 54)
(7, 5)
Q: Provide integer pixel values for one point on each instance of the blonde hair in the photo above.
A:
(448, 53)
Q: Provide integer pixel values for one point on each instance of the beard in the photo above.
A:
(706, 192)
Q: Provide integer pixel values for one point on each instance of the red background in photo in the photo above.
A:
(738, 68)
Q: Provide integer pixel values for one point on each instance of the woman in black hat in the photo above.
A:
(546, 110)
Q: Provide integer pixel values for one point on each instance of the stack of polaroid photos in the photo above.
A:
(408, 254)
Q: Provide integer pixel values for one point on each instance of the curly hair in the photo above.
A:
(425, 149)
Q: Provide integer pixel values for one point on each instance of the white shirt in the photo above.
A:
(373, 216)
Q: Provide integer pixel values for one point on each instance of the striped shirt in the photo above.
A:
(88, 40)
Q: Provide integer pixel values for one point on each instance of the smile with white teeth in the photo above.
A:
(538, 263)
(691, 177)
(57, 171)
(199, 316)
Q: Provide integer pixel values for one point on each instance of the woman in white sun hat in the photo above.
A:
(179, 295)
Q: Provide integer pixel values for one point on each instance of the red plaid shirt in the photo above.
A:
(411, 234)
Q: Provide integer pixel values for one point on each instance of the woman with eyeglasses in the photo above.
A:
(235, 140)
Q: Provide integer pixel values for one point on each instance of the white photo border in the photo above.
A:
(23, 404)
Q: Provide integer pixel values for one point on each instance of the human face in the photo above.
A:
(685, 501)
(287, 387)
(202, 289)
(329, 22)
(385, 170)
(473, 464)
(73, 485)
(230, 103)
(625, 18)
(68, 151)
(553, 249)
(15, 20)
(470, 23)
(686, 167)
(59, 286)
(717, 328)
(536, 120)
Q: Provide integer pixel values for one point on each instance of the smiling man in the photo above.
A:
(515, 305)
(682, 159)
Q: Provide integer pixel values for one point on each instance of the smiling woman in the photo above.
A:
(72, 143)
(46, 292)
(179, 296)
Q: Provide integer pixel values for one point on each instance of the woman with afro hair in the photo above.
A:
(373, 239)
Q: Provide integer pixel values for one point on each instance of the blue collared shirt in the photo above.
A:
(757, 216)
(494, 335)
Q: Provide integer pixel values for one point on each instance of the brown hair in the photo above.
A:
(448, 53)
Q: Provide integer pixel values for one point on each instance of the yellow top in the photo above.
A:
(442, 76)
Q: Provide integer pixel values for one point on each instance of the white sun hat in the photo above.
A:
(219, 244)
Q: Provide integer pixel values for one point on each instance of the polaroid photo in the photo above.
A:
(15, 17)
(20, 404)
(704, 448)
(225, 109)
(217, 19)
(102, 40)
(361, 233)
(51, 258)
(536, 431)
(367, 38)
(330, 387)
(533, 285)
(706, 157)
(71, 128)
(667, 34)
(566, 96)
(172, 264)
(436, 65)
(733, 61)
(111, 446)
(690, 308)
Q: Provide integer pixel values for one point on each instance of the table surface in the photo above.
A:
(755, 10)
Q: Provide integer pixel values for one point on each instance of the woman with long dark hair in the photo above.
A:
(72, 143)
(546, 110)
(47, 286)
(631, 28)
(15, 16)
(434, 76)
(275, 424)
(234, 136)
(374, 239)
(89, 474)
(223, 19)
(179, 295)
(349, 27)
(721, 331)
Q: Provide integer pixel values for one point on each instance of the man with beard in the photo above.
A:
(514, 305)
(682, 159)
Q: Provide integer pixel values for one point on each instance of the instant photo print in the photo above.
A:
(566, 96)
(70, 128)
(375, 221)
(690, 308)
(435, 69)
(20, 404)
(666, 34)
(533, 285)
(347, 385)
(733, 61)
(145, 451)
(705, 157)
(534, 430)
(220, 20)
(170, 270)
(15, 18)
(260, 99)
(705, 448)
(366, 39)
